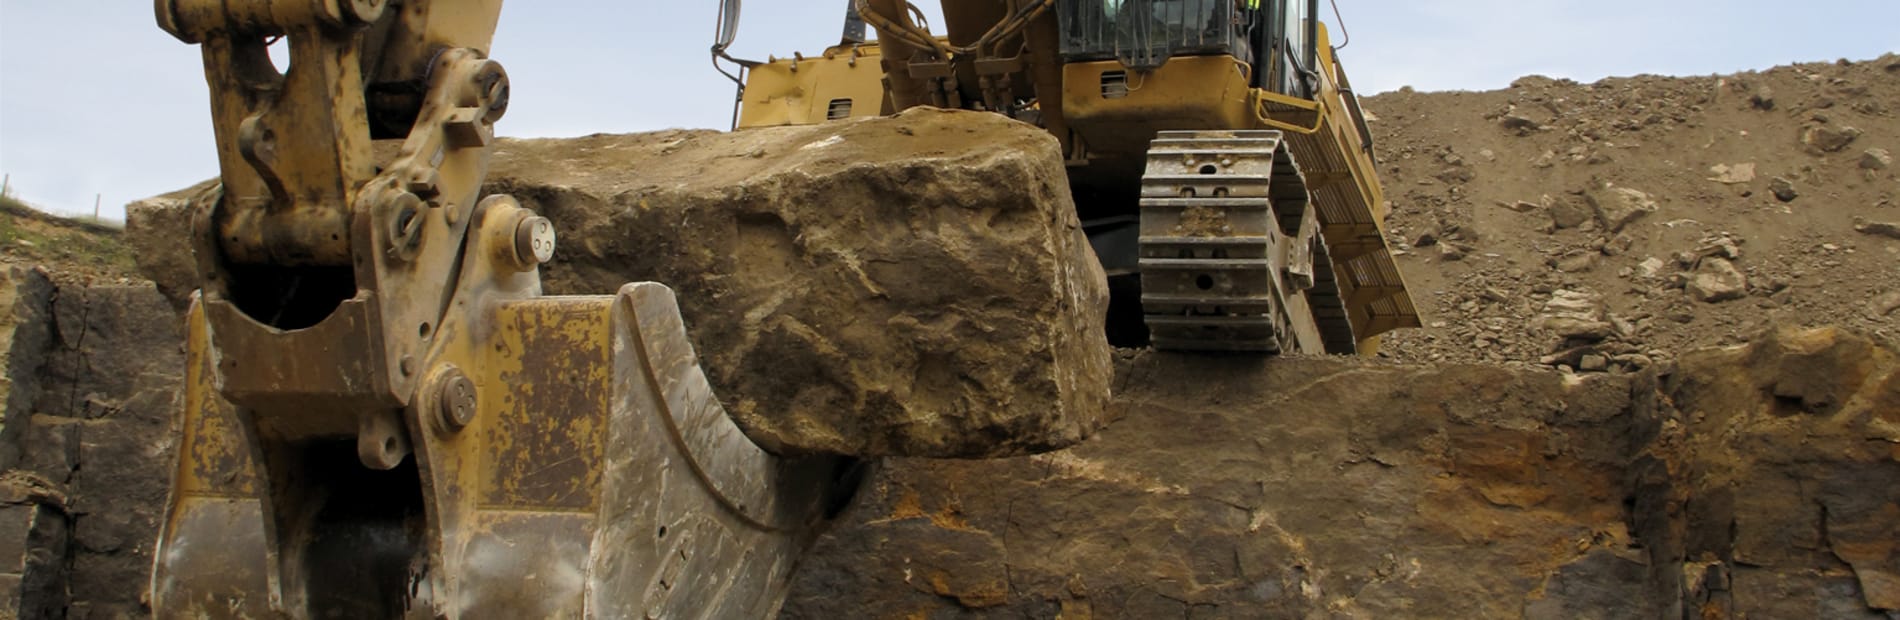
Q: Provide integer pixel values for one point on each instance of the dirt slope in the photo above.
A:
(77, 248)
(1493, 208)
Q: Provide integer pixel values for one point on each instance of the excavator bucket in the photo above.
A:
(575, 464)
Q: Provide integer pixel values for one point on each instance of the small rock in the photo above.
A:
(1733, 175)
(1830, 138)
(1719, 246)
(1451, 252)
(1623, 327)
(1650, 267)
(1634, 361)
(1575, 315)
(1617, 207)
(1593, 363)
(1617, 245)
(1520, 124)
(1717, 280)
(1577, 261)
(1455, 175)
(1567, 214)
(1884, 304)
(1425, 241)
(1876, 159)
(1568, 358)
(1784, 189)
(1521, 206)
(1762, 99)
(1890, 230)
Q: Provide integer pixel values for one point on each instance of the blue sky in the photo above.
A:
(96, 100)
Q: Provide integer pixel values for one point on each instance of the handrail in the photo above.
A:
(1259, 110)
(900, 29)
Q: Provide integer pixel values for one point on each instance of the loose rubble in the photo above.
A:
(1694, 210)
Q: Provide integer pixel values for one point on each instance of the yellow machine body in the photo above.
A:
(1106, 116)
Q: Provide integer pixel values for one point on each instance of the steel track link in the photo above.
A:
(1229, 247)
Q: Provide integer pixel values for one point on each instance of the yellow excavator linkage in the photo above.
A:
(385, 417)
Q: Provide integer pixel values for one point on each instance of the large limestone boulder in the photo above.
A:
(915, 286)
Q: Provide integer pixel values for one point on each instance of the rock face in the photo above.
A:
(95, 376)
(915, 286)
(1775, 481)
(1290, 488)
(1750, 481)
(1766, 484)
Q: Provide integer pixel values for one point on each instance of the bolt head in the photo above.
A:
(456, 401)
(534, 241)
(363, 11)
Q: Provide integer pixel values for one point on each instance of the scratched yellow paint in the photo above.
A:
(545, 393)
(214, 460)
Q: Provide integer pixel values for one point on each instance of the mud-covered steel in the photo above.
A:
(384, 416)
(597, 477)
(1226, 238)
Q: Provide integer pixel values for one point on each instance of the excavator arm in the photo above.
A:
(385, 416)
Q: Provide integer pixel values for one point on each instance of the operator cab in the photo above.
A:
(1274, 37)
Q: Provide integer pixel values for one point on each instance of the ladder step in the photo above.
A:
(1208, 264)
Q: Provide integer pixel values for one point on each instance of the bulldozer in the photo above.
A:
(1217, 152)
